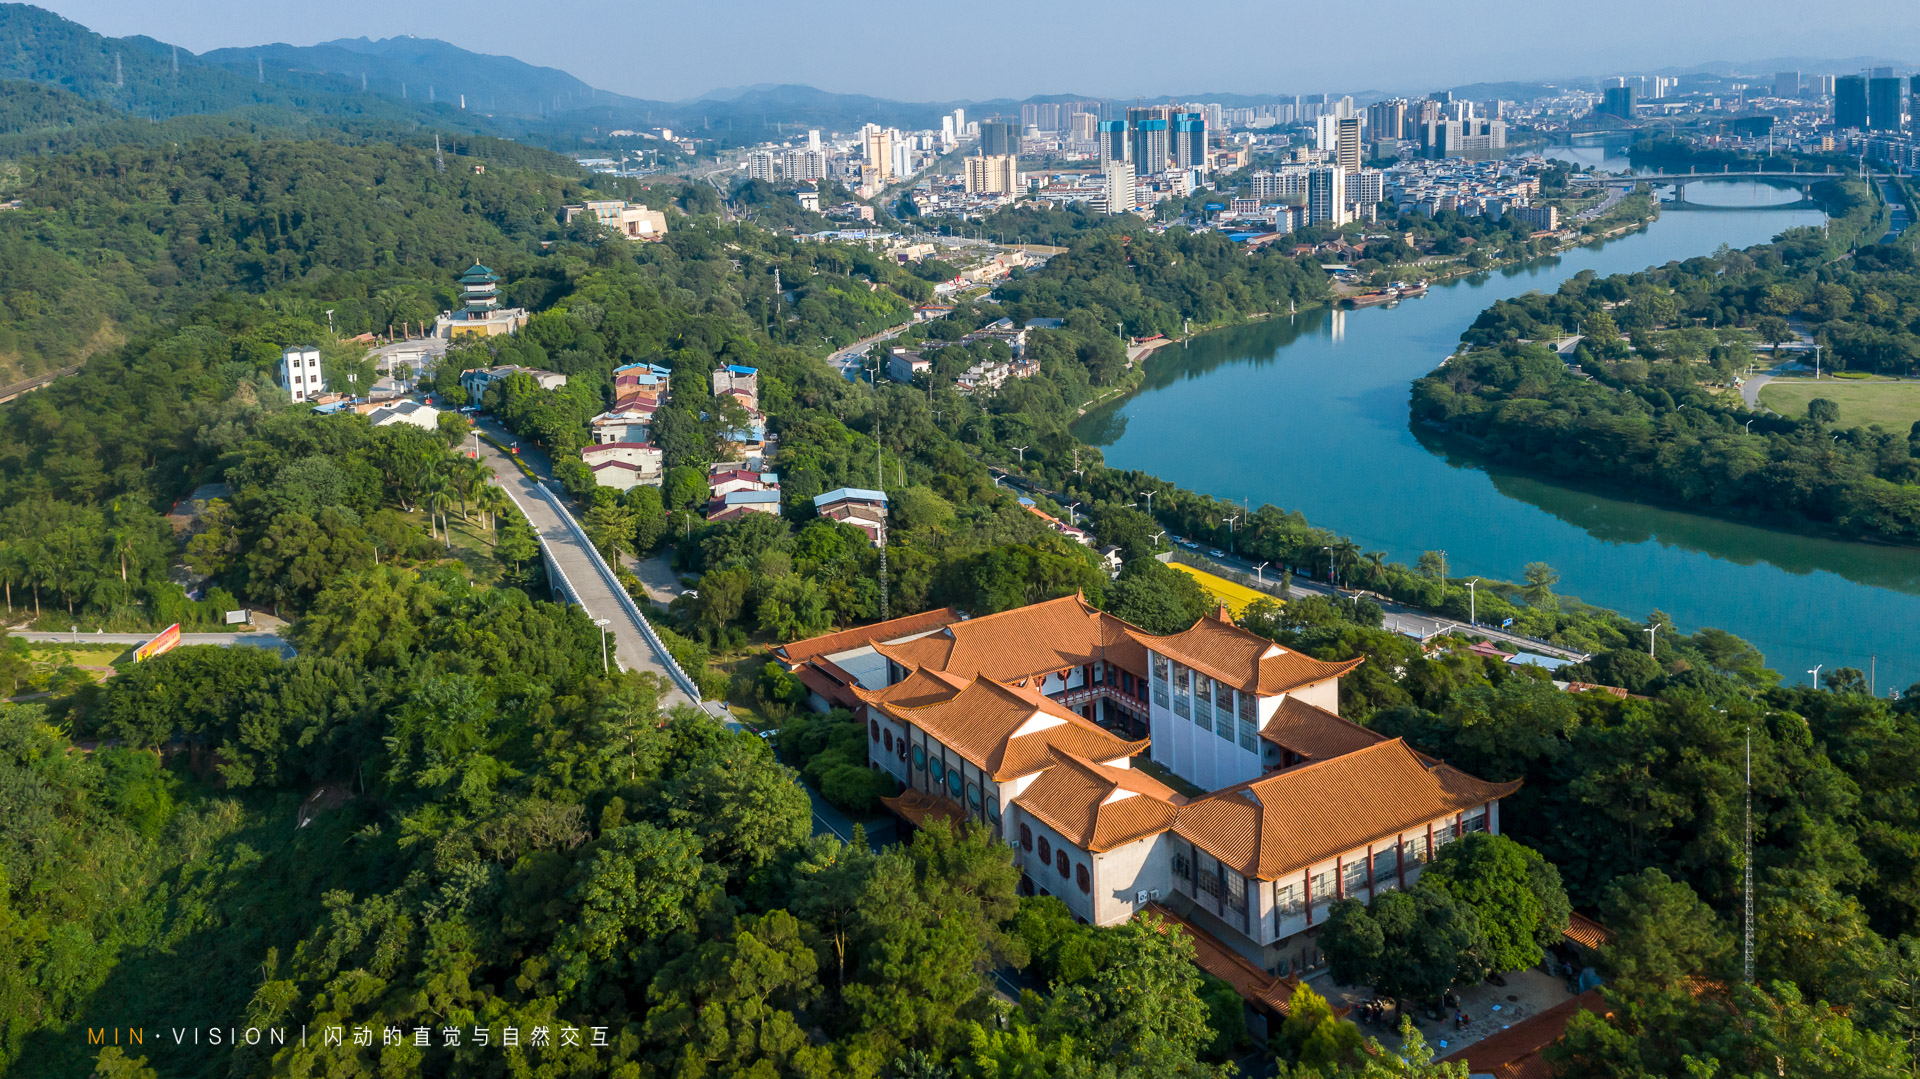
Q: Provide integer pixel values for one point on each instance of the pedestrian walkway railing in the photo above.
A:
(621, 596)
(553, 564)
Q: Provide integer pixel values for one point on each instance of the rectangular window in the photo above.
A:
(1236, 895)
(1246, 709)
(1475, 822)
(1355, 876)
(1417, 852)
(1323, 886)
(1160, 681)
(1249, 737)
(1289, 899)
(1183, 866)
(1210, 887)
(1386, 866)
(1202, 702)
(1181, 702)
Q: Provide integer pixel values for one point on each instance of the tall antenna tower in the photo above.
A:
(1746, 920)
(439, 156)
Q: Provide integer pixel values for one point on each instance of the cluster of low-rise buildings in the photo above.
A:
(1493, 188)
(1065, 732)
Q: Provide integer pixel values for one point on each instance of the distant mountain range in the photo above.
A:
(426, 70)
(411, 82)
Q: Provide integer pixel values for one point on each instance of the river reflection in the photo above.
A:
(1291, 413)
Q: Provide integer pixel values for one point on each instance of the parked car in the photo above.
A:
(1216, 553)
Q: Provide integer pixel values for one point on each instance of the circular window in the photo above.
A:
(873, 729)
(973, 794)
(1060, 860)
(919, 756)
(887, 738)
(993, 810)
(1080, 877)
(954, 781)
(1046, 851)
(939, 771)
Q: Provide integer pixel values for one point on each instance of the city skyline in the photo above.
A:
(768, 45)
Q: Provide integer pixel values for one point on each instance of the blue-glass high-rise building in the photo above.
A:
(1189, 140)
(1883, 103)
(1151, 147)
(1112, 137)
(1850, 102)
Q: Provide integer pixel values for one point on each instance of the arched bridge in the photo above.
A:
(1689, 177)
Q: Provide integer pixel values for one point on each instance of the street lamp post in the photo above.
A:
(1331, 578)
(1261, 577)
(1473, 613)
(1072, 518)
(1653, 628)
(1231, 532)
(1022, 450)
(1815, 674)
(603, 623)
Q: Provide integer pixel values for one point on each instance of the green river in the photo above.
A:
(1310, 414)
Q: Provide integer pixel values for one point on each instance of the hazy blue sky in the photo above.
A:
(1013, 48)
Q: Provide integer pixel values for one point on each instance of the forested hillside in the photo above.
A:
(112, 243)
(445, 814)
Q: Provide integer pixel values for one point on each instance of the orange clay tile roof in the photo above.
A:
(1010, 731)
(1514, 1053)
(817, 677)
(1242, 659)
(1037, 639)
(1268, 992)
(847, 639)
(1289, 821)
(1315, 733)
(919, 688)
(1587, 933)
(917, 807)
(1097, 807)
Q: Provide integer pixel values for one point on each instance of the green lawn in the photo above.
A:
(1893, 405)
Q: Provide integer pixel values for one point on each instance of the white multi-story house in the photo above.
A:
(300, 373)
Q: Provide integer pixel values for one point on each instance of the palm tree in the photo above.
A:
(1345, 550)
(493, 503)
(440, 499)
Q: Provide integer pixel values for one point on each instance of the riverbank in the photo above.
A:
(1311, 414)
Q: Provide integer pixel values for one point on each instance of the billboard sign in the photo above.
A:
(165, 641)
(236, 618)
